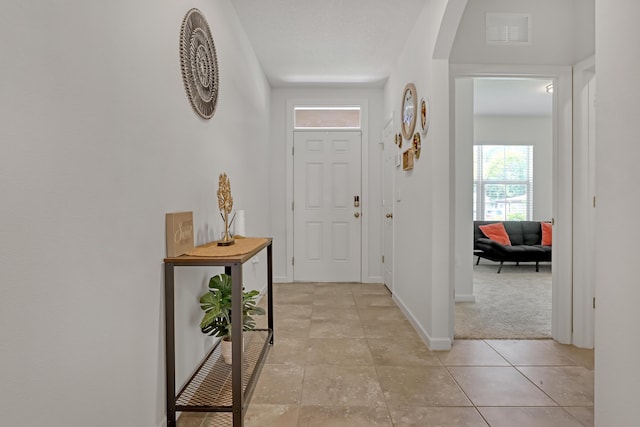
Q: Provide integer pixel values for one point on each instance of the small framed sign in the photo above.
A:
(179, 233)
(407, 159)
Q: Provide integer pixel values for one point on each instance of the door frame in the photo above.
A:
(562, 284)
(364, 159)
(584, 212)
(386, 148)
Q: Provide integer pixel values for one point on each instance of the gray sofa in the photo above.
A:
(526, 244)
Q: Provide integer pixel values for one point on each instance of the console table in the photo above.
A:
(216, 386)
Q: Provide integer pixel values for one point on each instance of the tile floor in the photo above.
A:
(345, 355)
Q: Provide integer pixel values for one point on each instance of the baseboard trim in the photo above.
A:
(281, 279)
(465, 298)
(434, 344)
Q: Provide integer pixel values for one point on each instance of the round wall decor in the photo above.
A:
(409, 110)
(199, 64)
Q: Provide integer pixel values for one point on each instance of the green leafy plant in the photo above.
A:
(216, 304)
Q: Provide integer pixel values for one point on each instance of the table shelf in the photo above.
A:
(209, 389)
(215, 386)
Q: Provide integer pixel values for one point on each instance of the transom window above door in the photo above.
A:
(326, 117)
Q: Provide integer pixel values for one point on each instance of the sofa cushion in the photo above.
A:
(547, 233)
(514, 230)
(531, 232)
(496, 232)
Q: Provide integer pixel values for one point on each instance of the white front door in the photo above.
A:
(389, 156)
(327, 206)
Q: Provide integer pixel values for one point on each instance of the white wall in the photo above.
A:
(536, 131)
(98, 143)
(584, 18)
(551, 22)
(463, 208)
(372, 172)
(423, 231)
(617, 378)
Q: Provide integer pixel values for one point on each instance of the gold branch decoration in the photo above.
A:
(225, 204)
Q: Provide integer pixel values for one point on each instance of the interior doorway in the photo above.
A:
(512, 158)
(555, 84)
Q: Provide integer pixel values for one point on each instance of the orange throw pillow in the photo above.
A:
(496, 232)
(546, 233)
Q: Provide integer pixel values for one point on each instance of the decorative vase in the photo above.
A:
(226, 349)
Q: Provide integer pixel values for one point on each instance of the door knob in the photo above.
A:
(357, 214)
(389, 215)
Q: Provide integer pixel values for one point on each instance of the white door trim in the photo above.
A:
(584, 211)
(364, 198)
(388, 205)
(562, 287)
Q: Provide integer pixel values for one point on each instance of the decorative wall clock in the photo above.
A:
(409, 110)
(199, 64)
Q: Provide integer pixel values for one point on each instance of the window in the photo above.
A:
(503, 182)
(327, 118)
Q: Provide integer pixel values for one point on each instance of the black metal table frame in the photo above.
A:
(234, 269)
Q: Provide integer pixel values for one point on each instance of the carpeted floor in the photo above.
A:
(513, 304)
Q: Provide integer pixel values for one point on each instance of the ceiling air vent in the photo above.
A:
(508, 28)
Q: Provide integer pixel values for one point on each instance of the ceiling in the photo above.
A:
(303, 42)
(511, 97)
(357, 42)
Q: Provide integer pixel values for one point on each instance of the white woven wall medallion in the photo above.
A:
(199, 64)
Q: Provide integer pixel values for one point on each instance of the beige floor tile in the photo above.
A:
(580, 356)
(293, 333)
(338, 351)
(529, 417)
(329, 312)
(287, 350)
(471, 353)
(260, 415)
(369, 289)
(218, 419)
(279, 384)
(345, 355)
(567, 385)
(191, 419)
(291, 324)
(532, 352)
(401, 351)
(336, 416)
(389, 328)
(292, 311)
(379, 314)
(283, 298)
(340, 300)
(341, 386)
(436, 417)
(321, 328)
(332, 289)
(420, 386)
(584, 414)
(368, 300)
(498, 386)
(297, 287)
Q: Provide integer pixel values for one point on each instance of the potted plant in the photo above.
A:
(216, 304)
